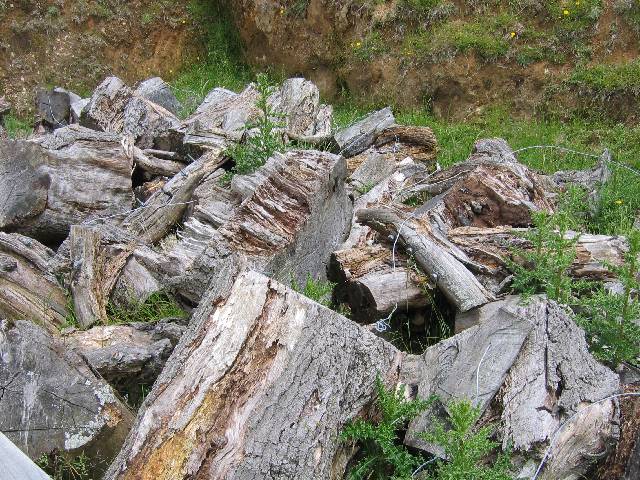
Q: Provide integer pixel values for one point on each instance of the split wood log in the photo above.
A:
(530, 365)
(28, 290)
(155, 166)
(261, 385)
(105, 110)
(63, 179)
(159, 92)
(150, 125)
(455, 281)
(368, 282)
(52, 401)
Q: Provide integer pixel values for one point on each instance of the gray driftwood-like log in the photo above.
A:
(367, 281)
(529, 365)
(63, 179)
(260, 387)
(455, 281)
(53, 401)
(127, 356)
(356, 138)
(28, 290)
(150, 125)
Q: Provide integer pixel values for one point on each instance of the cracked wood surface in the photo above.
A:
(260, 387)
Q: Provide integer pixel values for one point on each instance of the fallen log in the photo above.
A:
(356, 138)
(28, 290)
(16, 465)
(455, 281)
(264, 382)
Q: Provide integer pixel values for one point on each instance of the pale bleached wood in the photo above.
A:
(16, 465)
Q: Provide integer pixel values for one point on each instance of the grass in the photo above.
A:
(159, 305)
(608, 79)
(16, 127)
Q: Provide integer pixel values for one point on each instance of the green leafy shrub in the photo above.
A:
(544, 267)
(466, 450)
(316, 290)
(609, 318)
(384, 457)
(159, 305)
(260, 146)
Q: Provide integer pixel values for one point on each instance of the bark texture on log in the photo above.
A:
(259, 388)
(105, 110)
(356, 138)
(28, 290)
(52, 400)
(455, 281)
(74, 174)
(159, 92)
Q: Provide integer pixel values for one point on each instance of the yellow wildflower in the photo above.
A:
(282, 11)
(619, 202)
(513, 34)
(565, 12)
(358, 44)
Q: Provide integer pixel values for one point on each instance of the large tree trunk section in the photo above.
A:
(53, 401)
(28, 290)
(455, 281)
(260, 387)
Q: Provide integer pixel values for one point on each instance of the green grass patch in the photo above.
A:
(608, 79)
(159, 305)
(16, 127)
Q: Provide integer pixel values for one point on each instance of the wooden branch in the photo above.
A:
(455, 281)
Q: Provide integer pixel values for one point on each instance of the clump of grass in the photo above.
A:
(16, 128)
(608, 79)
(316, 290)
(371, 46)
(157, 306)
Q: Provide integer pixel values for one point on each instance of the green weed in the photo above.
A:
(608, 79)
(384, 457)
(466, 450)
(62, 468)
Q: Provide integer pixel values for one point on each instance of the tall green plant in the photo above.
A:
(264, 139)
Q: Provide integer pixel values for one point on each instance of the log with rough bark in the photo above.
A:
(63, 179)
(261, 386)
(528, 365)
(453, 278)
(150, 125)
(367, 281)
(159, 92)
(51, 400)
(28, 290)
(105, 110)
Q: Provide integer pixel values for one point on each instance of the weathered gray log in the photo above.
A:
(367, 281)
(358, 137)
(28, 290)
(76, 109)
(63, 179)
(155, 166)
(159, 92)
(16, 465)
(455, 281)
(127, 356)
(52, 400)
(105, 110)
(214, 97)
(529, 364)
(260, 386)
(554, 378)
